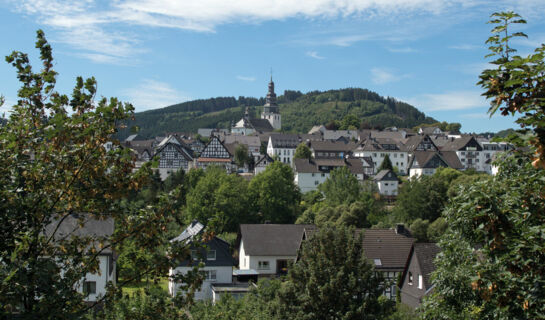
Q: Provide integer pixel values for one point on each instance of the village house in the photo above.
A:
(387, 183)
(214, 253)
(94, 284)
(173, 155)
(215, 153)
(268, 248)
(415, 282)
(311, 173)
(378, 148)
(283, 146)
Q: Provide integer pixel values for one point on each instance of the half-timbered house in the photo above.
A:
(173, 155)
(216, 153)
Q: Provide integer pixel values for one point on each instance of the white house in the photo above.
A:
(83, 225)
(427, 162)
(378, 148)
(283, 146)
(173, 155)
(311, 173)
(214, 253)
(262, 163)
(269, 248)
(387, 182)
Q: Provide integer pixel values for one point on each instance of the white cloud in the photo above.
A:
(384, 76)
(464, 46)
(152, 94)
(88, 25)
(246, 78)
(454, 100)
(314, 54)
(476, 115)
(402, 50)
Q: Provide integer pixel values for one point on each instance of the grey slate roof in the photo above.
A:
(332, 146)
(391, 248)
(386, 175)
(285, 140)
(261, 125)
(426, 253)
(316, 165)
(252, 141)
(336, 134)
(272, 239)
(461, 143)
(81, 225)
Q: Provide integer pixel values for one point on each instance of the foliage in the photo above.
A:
(53, 166)
(386, 164)
(219, 200)
(274, 194)
(341, 187)
(403, 312)
(500, 224)
(241, 155)
(332, 279)
(436, 229)
(302, 152)
(444, 126)
(419, 229)
(516, 85)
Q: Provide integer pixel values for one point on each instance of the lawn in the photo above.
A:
(132, 288)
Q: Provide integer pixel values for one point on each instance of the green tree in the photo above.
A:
(332, 279)
(220, 201)
(52, 165)
(302, 152)
(274, 194)
(241, 155)
(436, 229)
(341, 187)
(516, 85)
(419, 229)
(386, 164)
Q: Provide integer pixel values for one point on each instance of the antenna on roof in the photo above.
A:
(271, 74)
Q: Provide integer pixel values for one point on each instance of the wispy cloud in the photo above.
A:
(402, 50)
(152, 94)
(476, 115)
(384, 76)
(246, 78)
(93, 26)
(454, 100)
(315, 55)
(464, 46)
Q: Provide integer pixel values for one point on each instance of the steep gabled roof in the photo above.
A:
(387, 249)
(264, 158)
(426, 253)
(261, 125)
(462, 143)
(386, 175)
(271, 239)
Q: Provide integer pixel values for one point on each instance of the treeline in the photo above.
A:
(299, 112)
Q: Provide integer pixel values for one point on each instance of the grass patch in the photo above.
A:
(132, 288)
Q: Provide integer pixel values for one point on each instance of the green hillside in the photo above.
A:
(299, 112)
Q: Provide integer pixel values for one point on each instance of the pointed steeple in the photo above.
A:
(270, 100)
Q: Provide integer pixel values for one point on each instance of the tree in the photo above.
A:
(241, 155)
(332, 279)
(220, 201)
(302, 152)
(52, 166)
(516, 85)
(275, 195)
(341, 187)
(419, 229)
(492, 260)
(386, 164)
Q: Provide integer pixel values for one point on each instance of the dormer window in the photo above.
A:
(211, 255)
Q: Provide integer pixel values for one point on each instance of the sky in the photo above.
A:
(154, 53)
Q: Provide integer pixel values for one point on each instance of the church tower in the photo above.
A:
(270, 110)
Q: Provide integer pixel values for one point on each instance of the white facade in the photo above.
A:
(310, 181)
(275, 119)
(285, 155)
(214, 274)
(399, 159)
(387, 188)
(95, 283)
(264, 265)
(415, 172)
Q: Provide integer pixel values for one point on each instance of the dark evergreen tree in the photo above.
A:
(386, 164)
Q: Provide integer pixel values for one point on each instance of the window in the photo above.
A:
(420, 282)
(211, 255)
(386, 183)
(382, 155)
(210, 275)
(395, 155)
(323, 174)
(194, 255)
(313, 174)
(374, 154)
(377, 262)
(263, 265)
(90, 287)
(169, 162)
(316, 183)
(410, 278)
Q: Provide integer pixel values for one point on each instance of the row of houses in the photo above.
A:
(268, 251)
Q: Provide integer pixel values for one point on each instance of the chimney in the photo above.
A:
(400, 228)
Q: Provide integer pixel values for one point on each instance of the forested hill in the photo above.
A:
(299, 112)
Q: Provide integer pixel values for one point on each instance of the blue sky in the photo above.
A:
(154, 53)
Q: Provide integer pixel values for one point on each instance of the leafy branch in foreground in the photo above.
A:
(54, 167)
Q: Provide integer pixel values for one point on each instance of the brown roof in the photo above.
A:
(332, 146)
(213, 160)
(272, 239)
(390, 247)
(461, 143)
(305, 166)
(313, 166)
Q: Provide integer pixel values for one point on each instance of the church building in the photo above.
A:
(270, 110)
